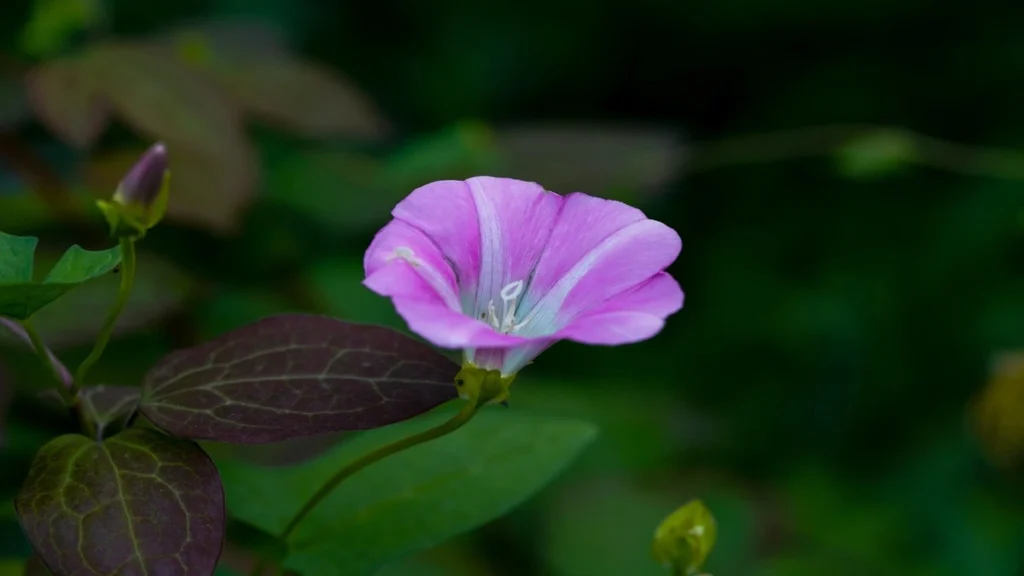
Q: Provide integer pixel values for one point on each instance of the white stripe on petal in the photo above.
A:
(492, 259)
(543, 319)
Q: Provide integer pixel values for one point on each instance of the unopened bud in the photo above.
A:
(140, 201)
(684, 540)
(143, 182)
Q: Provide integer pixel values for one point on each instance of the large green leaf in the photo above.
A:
(410, 501)
(138, 503)
(20, 296)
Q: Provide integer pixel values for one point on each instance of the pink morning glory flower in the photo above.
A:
(503, 269)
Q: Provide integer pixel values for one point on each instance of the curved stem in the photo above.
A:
(125, 291)
(447, 427)
(43, 352)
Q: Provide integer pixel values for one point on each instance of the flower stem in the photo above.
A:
(456, 422)
(123, 293)
(43, 352)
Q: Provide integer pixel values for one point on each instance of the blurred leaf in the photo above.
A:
(163, 99)
(153, 504)
(353, 191)
(212, 162)
(412, 500)
(638, 431)
(160, 289)
(54, 22)
(463, 151)
(231, 309)
(339, 282)
(607, 161)
(20, 297)
(105, 405)
(249, 62)
(295, 375)
(69, 100)
(337, 188)
(205, 191)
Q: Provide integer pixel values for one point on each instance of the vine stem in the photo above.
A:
(127, 283)
(458, 421)
(43, 352)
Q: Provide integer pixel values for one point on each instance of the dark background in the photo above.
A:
(843, 175)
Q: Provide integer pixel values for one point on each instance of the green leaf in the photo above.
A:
(295, 375)
(138, 503)
(16, 258)
(20, 297)
(412, 500)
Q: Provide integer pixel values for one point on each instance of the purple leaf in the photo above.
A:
(104, 405)
(17, 329)
(138, 503)
(67, 100)
(295, 375)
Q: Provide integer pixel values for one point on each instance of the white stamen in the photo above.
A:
(512, 291)
(509, 296)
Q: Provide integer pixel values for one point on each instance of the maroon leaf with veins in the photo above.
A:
(138, 503)
(295, 375)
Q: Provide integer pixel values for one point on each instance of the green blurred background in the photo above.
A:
(843, 175)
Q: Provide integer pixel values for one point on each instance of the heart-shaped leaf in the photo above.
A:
(410, 501)
(294, 375)
(68, 101)
(250, 63)
(105, 405)
(138, 503)
(20, 297)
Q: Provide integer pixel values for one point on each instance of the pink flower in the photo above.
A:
(503, 269)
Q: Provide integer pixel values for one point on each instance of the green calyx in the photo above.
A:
(132, 219)
(483, 386)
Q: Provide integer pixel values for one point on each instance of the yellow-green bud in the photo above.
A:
(684, 540)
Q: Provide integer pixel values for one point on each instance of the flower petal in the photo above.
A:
(492, 230)
(620, 261)
(449, 328)
(585, 222)
(632, 316)
(444, 211)
(408, 250)
(516, 219)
